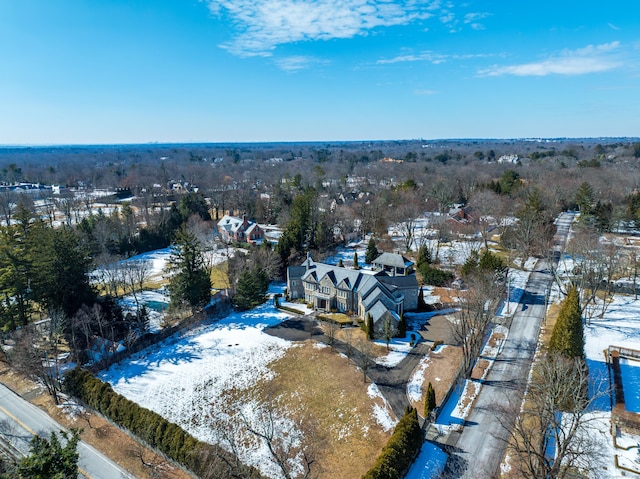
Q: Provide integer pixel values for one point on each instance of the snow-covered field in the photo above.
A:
(196, 378)
(620, 326)
(188, 378)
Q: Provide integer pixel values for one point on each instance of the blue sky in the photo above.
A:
(137, 71)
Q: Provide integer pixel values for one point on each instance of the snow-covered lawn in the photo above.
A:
(199, 378)
(187, 378)
(429, 464)
(398, 350)
(381, 413)
(301, 307)
(414, 386)
(620, 326)
(157, 261)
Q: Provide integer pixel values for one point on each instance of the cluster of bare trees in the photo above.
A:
(600, 265)
(552, 436)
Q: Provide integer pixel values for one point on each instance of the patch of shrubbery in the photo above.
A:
(435, 276)
(401, 450)
(170, 439)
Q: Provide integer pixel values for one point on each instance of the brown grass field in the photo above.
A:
(441, 373)
(328, 397)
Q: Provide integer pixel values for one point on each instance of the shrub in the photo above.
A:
(429, 401)
(156, 431)
(401, 450)
(435, 276)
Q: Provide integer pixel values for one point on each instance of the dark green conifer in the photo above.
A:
(567, 337)
(372, 251)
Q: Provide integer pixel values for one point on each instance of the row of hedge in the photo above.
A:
(204, 460)
(276, 302)
(401, 450)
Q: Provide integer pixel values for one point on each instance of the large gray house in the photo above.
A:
(384, 292)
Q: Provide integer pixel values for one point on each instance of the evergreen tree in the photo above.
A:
(567, 337)
(251, 289)
(59, 273)
(585, 199)
(402, 326)
(372, 251)
(50, 459)
(370, 330)
(298, 234)
(429, 401)
(485, 263)
(603, 217)
(355, 261)
(422, 305)
(193, 204)
(190, 280)
(15, 294)
(424, 256)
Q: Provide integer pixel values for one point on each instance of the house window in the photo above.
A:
(325, 289)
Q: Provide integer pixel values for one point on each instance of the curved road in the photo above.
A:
(392, 382)
(20, 420)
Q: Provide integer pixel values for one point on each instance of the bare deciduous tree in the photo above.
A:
(291, 449)
(476, 304)
(365, 348)
(36, 352)
(550, 437)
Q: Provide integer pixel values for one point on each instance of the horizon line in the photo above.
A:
(274, 142)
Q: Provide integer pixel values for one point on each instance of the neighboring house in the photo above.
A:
(382, 294)
(393, 264)
(461, 219)
(240, 230)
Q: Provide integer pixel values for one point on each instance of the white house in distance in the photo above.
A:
(384, 292)
(240, 230)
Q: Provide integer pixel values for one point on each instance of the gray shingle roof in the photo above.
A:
(393, 259)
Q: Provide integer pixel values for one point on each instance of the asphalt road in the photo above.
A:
(479, 449)
(20, 420)
(481, 445)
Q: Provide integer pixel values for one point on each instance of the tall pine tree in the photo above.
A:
(50, 459)
(429, 400)
(568, 334)
(190, 281)
(372, 251)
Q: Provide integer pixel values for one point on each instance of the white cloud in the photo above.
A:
(474, 17)
(613, 27)
(262, 25)
(432, 57)
(435, 58)
(591, 59)
(295, 63)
